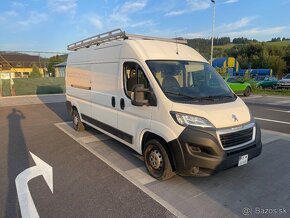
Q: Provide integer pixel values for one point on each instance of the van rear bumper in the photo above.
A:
(198, 151)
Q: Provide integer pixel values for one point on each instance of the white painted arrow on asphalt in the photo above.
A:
(27, 206)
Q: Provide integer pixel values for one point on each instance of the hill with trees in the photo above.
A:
(250, 53)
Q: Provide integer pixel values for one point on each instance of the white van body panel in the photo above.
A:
(79, 78)
(103, 88)
(96, 69)
(220, 115)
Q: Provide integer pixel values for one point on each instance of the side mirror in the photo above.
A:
(138, 97)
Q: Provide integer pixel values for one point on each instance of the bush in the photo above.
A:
(35, 73)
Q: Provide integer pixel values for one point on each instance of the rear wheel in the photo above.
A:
(247, 91)
(77, 123)
(157, 161)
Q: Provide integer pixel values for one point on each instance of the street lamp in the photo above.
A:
(212, 36)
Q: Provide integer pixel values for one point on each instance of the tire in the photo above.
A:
(274, 87)
(157, 161)
(247, 92)
(77, 123)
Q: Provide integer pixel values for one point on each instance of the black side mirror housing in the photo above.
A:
(140, 95)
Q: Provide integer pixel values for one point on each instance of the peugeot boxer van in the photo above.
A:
(161, 98)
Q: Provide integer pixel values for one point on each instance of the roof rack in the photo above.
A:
(116, 34)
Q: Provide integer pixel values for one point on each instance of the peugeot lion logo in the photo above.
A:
(234, 117)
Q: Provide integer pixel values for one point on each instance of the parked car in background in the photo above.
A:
(258, 78)
(284, 83)
(267, 82)
(238, 85)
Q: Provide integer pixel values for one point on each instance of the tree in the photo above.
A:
(243, 61)
(242, 40)
(287, 56)
(277, 64)
(53, 61)
(35, 73)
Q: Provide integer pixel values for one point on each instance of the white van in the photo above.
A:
(161, 98)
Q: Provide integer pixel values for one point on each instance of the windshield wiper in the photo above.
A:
(182, 95)
(209, 98)
(221, 96)
(213, 97)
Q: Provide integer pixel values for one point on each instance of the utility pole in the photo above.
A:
(212, 36)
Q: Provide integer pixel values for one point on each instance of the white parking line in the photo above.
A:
(251, 97)
(279, 110)
(141, 175)
(280, 102)
(274, 121)
(129, 175)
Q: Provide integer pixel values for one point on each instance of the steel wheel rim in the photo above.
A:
(75, 120)
(156, 159)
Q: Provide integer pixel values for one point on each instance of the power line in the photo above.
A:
(45, 52)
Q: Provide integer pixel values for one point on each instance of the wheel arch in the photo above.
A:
(74, 105)
(147, 136)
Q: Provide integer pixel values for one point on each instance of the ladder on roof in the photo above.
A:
(116, 34)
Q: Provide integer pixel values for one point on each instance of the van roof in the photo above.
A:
(138, 49)
(159, 50)
(126, 46)
(114, 35)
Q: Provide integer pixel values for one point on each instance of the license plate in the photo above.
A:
(243, 160)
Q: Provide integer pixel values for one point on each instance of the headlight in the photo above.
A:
(190, 120)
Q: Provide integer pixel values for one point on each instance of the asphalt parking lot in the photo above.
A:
(96, 176)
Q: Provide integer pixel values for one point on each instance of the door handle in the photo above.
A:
(113, 101)
(122, 103)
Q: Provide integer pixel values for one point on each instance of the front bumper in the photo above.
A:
(198, 151)
(283, 85)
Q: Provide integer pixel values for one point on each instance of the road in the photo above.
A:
(272, 113)
(96, 176)
(84, 186)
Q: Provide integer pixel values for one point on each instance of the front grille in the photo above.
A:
(232, 139)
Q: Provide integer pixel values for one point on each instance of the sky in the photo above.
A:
(50, 25)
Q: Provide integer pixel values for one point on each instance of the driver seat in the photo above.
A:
(170, 84)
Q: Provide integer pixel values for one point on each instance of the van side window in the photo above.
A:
(133, 75)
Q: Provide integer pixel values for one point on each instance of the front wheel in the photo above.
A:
(157, 161)
(247, 91)
(77, 123)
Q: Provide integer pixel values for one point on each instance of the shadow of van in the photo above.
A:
(56, 103)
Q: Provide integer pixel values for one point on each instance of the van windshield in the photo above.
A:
(190, 82)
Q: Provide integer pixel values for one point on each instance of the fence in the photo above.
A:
(33, 86)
